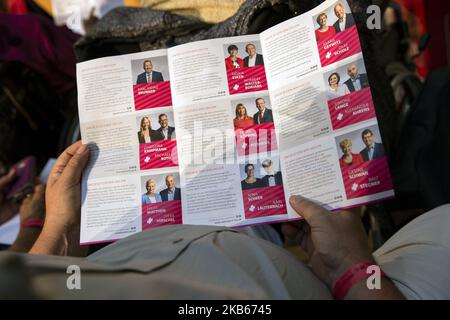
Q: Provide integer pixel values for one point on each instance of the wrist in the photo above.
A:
(32, 223)
(346, 264)
(25, 239)
(55, 229)
(29, 233)
(58, 225)
(58, 240)
(353, 277)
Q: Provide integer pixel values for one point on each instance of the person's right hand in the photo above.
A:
(334, 241)
(63, 193)
(61, 232)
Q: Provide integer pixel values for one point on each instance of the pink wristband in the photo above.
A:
(36, 223)
(352, 276)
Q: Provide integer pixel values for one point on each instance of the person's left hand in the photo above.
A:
(31, 208)
(33, 205)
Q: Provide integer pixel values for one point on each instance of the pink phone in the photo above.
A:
(24, 182)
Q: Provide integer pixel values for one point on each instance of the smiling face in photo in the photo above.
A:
(170, 182)
(368, 139)
(150, 186)
(145, 124)
(334, 80)
(323, 20)
(260, 104)
(352, 71)
(148, 67)
(339, 11)
(251, 50)
(250, 171)
(163, 121)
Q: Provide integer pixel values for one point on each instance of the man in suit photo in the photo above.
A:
(253, 59)
(149, 75)
(372, 150)
(263, 115)
(167, 131)
(271, 178)
(345, 21)
(357, 80)
(172, 192)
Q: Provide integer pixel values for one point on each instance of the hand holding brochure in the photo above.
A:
(224, 131)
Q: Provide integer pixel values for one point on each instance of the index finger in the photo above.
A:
(62, 162)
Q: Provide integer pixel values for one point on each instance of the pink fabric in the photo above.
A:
(40, 45)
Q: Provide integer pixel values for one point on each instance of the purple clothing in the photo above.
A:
(40, 45)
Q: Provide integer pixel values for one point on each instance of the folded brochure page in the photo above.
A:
(222, 132)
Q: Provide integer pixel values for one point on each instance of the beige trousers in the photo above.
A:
(417, 257)
(199, 262)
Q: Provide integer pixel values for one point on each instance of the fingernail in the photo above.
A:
(296, 199)
(82, 149)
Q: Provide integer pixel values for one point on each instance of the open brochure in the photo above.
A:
(223, 131)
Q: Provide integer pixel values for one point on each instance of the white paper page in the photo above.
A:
(251, 120)
(209, 85)
(312, 118)
(126, 117)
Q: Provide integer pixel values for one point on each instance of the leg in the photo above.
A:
(263, 231)
(417, 257)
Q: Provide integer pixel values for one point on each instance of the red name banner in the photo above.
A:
(159, 154)
(343, 45)
(256, 139)
(152, 95)
(352, 108)
(249, 79)
(264, 202)
(161, 214)
(368, 178)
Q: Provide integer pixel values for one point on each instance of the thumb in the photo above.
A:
(314, 214)
(72, 172)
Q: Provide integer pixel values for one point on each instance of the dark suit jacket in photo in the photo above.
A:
(156, 77)
(267, 117)
(362, 78)
(278, 180)
(155, 135)
(165, 194)
(169, 133)
(378, 152)
(349, 22)
(258, 62)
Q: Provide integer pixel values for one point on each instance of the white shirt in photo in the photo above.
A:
(251, 61)
(342, 24)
